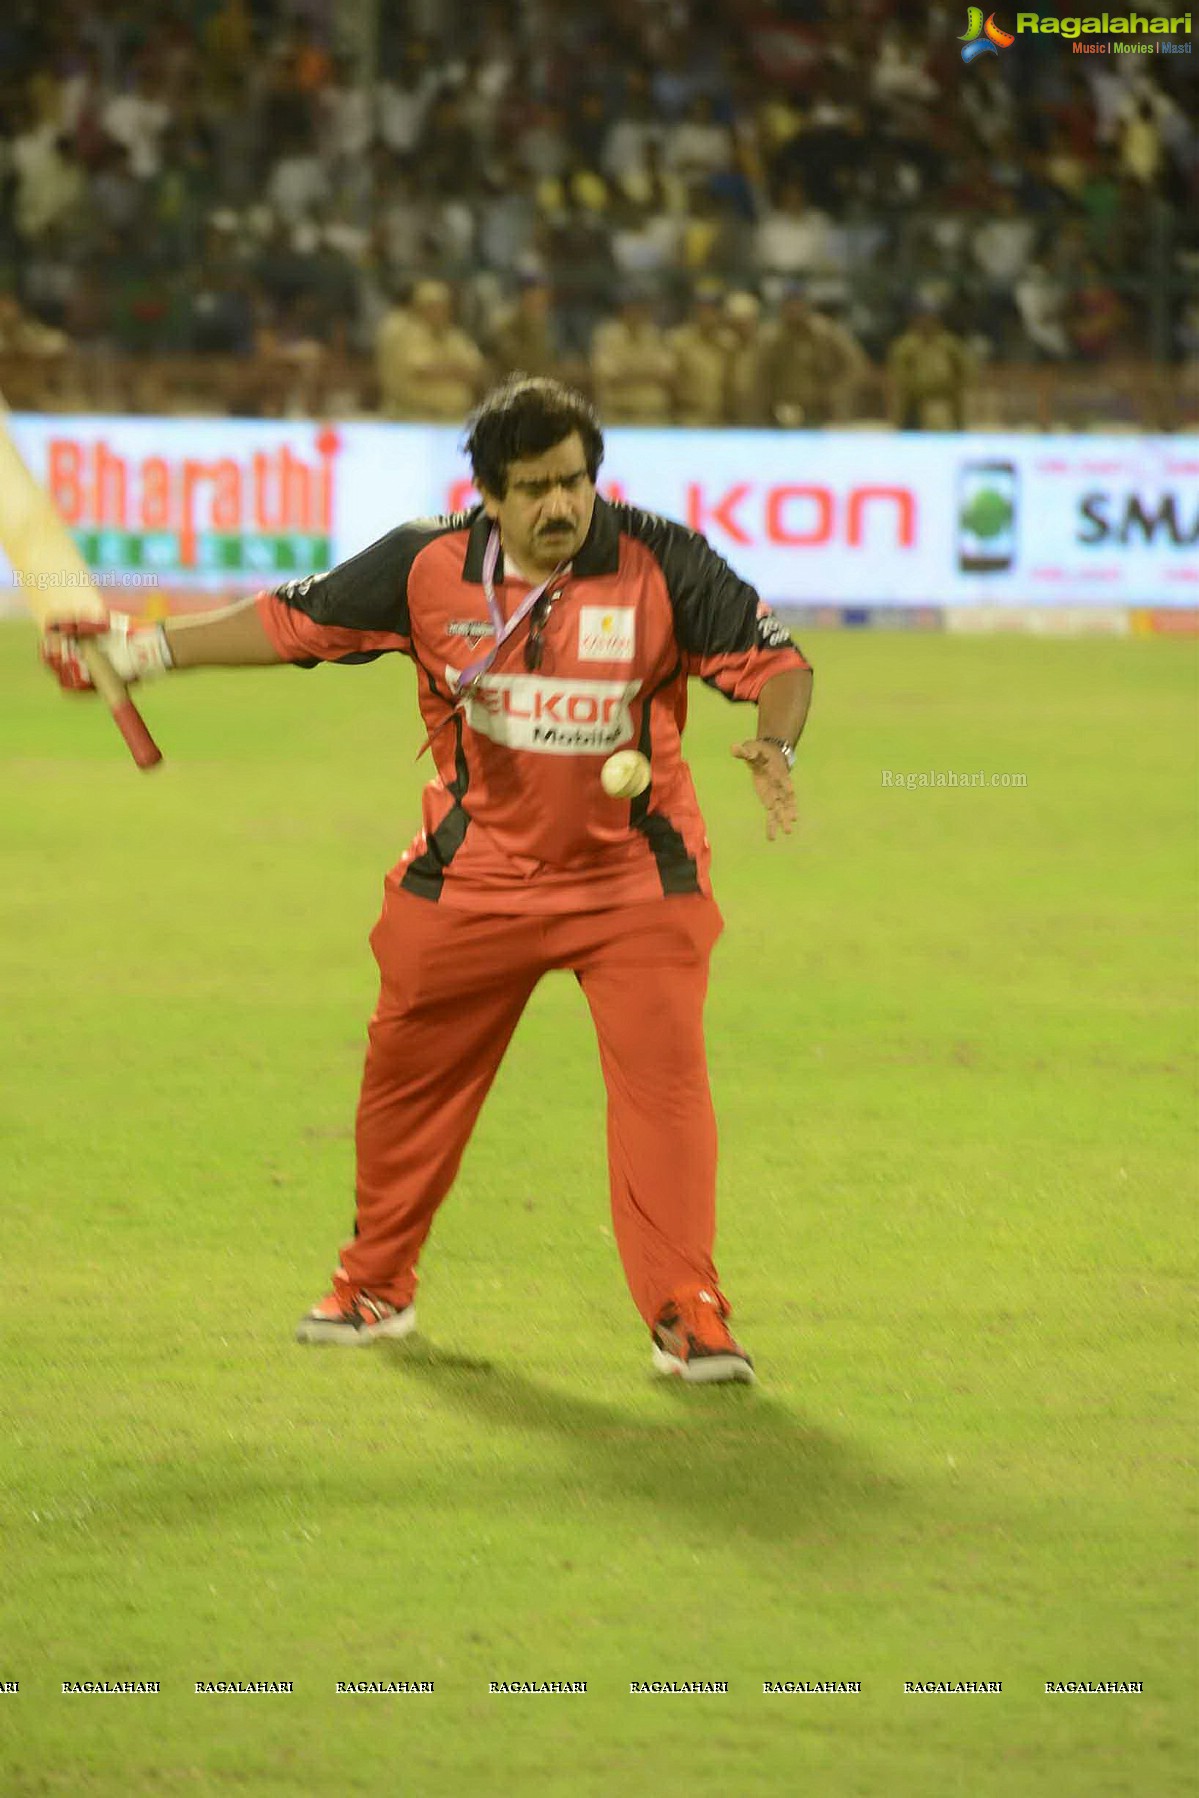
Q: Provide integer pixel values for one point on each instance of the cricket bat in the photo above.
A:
(57, 582)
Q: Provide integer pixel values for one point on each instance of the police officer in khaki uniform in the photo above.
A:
(428, 368)
(633, 365)
(743, 329)
(928, 369)
(812, 368)
(523, 337)
(702, 348)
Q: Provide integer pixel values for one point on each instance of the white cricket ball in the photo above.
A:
(625, 774)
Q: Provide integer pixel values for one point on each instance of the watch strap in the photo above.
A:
(781, 743)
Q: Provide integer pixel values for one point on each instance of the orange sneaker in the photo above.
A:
(355, 1319)
(692, 1340)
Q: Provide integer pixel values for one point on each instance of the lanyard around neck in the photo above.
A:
(491, 555)
(474, 671)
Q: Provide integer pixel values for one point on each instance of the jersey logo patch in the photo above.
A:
(470, 628)
(772, 632)
(551, 717)
(607, 633)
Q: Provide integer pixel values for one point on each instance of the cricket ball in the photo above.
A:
(625, 774)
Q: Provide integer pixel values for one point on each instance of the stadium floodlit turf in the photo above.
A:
(950, 1034)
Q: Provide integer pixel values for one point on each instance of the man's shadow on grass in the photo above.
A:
(726, 1458)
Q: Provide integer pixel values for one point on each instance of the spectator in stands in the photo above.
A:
(182, 194)
(298, 185)
(928, 369)
(624, 156)
(701, 348)
(114, 197)
(633, 365)
(793, 239)
(428, 368)
(449, 152)
(900, 81)
(449, 236)
(138, 118)
(811, 367)
(49, 273)
(743, 329)
(647, 218)
(220, 305)
(988, 103)
(1066, 166)
(290, 364)
(346, 119)
(700, 146)
(508, 217)
(288, 110)
(51, 186)
(310, 61)
(544, 145)
(524, 337)
(83, 98)
(402, 216)
(1001, 247)
(23, 335)
(589, 128)
(714, 239)
(281, 264)
(577, 249)
(1042, 301)
(579, 188)
(227, 40)
(1096, 313)
(1147, 119)
(675, 79)
(1100, 197)
(405, 97)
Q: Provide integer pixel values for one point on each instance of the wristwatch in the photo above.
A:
(787, 749)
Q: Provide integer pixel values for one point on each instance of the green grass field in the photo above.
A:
(951, 1038)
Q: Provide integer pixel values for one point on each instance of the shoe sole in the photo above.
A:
(708, 1370)
(319, 1329)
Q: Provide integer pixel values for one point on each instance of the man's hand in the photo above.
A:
(772, 783)
(136, 651)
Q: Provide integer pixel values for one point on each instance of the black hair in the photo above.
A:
(525, 416)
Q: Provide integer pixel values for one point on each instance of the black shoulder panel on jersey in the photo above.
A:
(715, 611)
(369, 591)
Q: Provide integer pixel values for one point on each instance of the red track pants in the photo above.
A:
(453, 986)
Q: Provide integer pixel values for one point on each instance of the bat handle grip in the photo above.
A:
(126, 717)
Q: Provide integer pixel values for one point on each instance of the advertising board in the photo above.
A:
(843, 518)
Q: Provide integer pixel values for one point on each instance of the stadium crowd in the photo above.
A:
(704, 211)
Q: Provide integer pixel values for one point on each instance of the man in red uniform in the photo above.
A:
(549, 628)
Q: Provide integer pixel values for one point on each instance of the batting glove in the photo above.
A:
(136, 651)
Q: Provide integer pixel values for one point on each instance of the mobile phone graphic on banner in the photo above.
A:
(988, 496)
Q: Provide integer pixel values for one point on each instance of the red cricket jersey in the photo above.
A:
(515, 817)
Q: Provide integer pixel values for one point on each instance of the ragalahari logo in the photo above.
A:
(983, 38)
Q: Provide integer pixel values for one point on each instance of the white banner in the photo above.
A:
(842, 518)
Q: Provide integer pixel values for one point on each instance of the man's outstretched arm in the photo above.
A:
(355, 612)
(233, 637)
